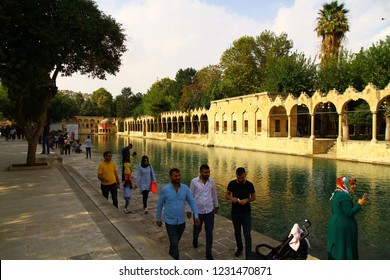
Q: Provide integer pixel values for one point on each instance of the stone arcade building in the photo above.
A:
(303, 125)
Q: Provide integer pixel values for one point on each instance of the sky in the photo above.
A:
(164, 36)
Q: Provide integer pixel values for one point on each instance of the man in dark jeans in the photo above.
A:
(241, 192)
(45, 138)
(205, 193)
(172, 198)
(108, 175)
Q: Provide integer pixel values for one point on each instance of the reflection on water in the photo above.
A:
(289, 189)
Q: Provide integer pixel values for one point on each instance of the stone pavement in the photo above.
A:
(59, 213)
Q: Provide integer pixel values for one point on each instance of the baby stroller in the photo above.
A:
(294, 247)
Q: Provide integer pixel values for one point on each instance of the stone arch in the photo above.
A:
(278, 122)
(224, 122)
(245, 122)
(217, 123)
(233, 122)
(187, 124)
(300, 119)
(357, 120)
(383, 119)
(195, 124)
(204, 124)
(169, 124)
(259, 121)
(181, 124)
(326, 120)
(175, 125)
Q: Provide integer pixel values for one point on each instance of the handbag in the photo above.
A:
(153, 185)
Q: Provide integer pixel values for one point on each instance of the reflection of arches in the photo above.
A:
(278, 122)
(326, 120)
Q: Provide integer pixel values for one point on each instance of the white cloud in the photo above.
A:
(167, 35)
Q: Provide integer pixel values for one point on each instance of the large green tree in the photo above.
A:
(127, 103)
(373, 64)
(240, 65)
(332, 25)
(335, 73)
(103, 101)
(290, 74)
(89, 108)
(62, 107)
(41, 39)
(245, 63)
(159, 99)
(200, 93)
(183, 78)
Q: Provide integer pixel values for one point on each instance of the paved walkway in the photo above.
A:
(59, 213)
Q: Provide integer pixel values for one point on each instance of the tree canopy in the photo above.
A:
(41, 39)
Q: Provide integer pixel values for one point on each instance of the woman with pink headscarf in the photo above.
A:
(342, 229)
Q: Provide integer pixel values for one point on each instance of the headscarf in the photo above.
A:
(342, 185)
(143, 164)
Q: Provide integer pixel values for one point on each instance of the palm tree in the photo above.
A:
(332, 24)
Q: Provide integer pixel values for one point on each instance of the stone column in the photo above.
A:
(289, 127)
(374, 124)
(387, 132)
(312, 126)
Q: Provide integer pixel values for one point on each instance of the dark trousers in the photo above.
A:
(67, 149)
(208, 220)
(88, 152)
(245, 221)
(110, 189)
(45, 144)
(174, 234)
(145, 195)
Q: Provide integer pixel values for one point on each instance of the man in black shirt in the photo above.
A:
(241, 192)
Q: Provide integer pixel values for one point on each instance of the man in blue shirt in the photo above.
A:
(172, 198)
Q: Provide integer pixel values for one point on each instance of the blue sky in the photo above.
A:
(164, 36)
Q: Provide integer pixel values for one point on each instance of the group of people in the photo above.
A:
(203, 204)
(11, 132)
(201, 197)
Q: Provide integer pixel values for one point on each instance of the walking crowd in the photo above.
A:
(202, 205)
(201, 197)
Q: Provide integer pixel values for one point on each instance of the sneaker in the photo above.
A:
(125, 210)
(209, 257)
(195, 243)
(146, 210)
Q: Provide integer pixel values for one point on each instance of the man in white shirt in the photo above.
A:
(88, 146)
(204, 191)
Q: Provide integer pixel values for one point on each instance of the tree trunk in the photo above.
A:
(32, 135)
